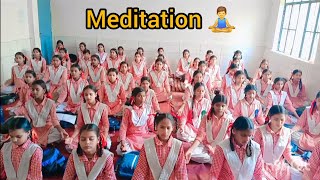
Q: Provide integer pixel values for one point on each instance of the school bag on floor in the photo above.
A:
(53, 162)
(127, 164)
(114, 124)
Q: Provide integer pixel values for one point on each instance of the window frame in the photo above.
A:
(314, 32)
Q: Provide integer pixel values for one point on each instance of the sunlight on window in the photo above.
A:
(298, 29)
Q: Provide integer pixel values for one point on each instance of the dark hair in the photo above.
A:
(314, 104)
(114, 49)
(112, 70)
(213, 56)
(31, 72)
(73, 58)
(41, 83)
(276, 109)
(23, 56)
(86, 51)
(15, 122)
(120, 47)
(221, 9)
(241, 124)
(279, 79)
(59, 42)
(184, 51)
(140, 48)
(195, 87)
(265, 71)
(134, 93)
(250, 87)
(100, 44)
(136, 53)
(237, 52)
(202, 62)
(94, 128)
(158, 60)
(36, 49)
(194, 74)
(161, 56)
(63, 49)
(264, 61)
(300, 82)
(238, 73)
(209, 51)
(84, 44)
(161, 116)
(93, 88)
(160, 49)
(59, 57)
(217, 99)
(232, 66)
(76, 66)
(124, 62)
(95, 56)
(145, 78)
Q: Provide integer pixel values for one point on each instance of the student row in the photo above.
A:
(235, 157)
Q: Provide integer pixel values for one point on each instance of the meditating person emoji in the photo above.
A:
(221, 24)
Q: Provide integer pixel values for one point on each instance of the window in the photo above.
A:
(299, 31)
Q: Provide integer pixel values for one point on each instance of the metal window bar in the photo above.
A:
(304, 30)
(295, 32)
(314, 32)
(285, 42)
(288, 29)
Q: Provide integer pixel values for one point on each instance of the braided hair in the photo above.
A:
(300, 81)
(241, 124)
(94, 128)
(217, 99)
(161, 116)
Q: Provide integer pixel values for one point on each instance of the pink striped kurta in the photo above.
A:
(297, 97)
(138, 70)
(56, 87)
(183, 66)
(34, 172)
(98, 71)
(234, 95)
(278, 170)
(66, 93)
(17, 76)
(38, 66)
(127, 81)
(308, 140)
(160, 84)
(143, 170)
(51, 120)
(243, 108)
(135, 135)
(312, 172)
(112, 63)
(217, 125)
(113, 95)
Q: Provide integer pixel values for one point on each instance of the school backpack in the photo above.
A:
(114, 124)
(127, 164)
(53, 162)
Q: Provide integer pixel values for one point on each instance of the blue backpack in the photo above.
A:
(127, 164)
(114, 124)
(53, 162)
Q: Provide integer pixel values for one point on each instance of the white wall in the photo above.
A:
(248, 16)
(19, 31)
(283, 65)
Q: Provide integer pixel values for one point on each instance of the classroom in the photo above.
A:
(171, 89)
